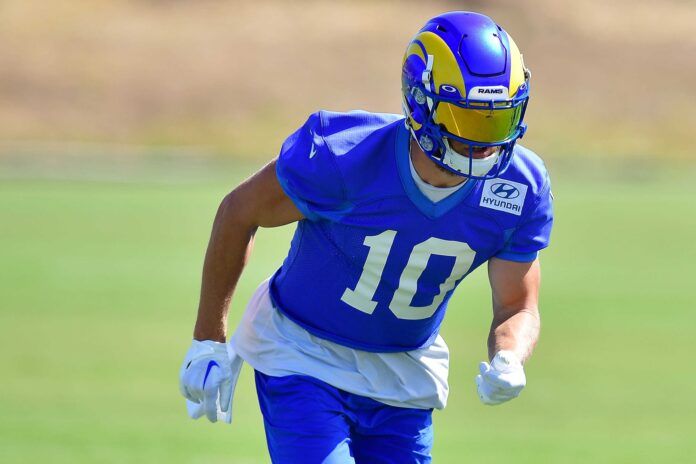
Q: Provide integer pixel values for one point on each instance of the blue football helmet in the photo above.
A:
(464, 80)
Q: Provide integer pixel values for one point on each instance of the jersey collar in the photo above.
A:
(424, 204)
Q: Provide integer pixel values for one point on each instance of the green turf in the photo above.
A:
(99, 283)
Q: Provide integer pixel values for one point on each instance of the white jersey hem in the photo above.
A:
(274, 345)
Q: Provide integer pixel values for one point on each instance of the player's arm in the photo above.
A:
(209, 371)
(257, 202)
(515, 289)
(514, 330)
(298, 183)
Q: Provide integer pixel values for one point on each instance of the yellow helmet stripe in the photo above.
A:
(447, 70)
(516, 68)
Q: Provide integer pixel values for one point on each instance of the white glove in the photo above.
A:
(207, 379)
(502, 380)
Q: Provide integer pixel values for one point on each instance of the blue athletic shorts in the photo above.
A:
(308, 421)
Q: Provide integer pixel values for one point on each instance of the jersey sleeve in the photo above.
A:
(533, 233)
(309, 175)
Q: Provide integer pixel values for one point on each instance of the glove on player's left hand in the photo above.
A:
(502, 380)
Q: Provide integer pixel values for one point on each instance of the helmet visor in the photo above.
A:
(485, 124)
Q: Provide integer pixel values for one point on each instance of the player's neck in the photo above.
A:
(430, 172)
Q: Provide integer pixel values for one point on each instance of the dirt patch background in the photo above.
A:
(236, 77)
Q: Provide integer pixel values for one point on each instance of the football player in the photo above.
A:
(392, 213)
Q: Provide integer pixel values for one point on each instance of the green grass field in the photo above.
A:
(99, 284)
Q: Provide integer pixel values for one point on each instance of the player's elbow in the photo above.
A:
(235, 212)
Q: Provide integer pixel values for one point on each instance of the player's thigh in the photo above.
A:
(393, 435)
(304, 420)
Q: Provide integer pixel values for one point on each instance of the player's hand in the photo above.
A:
(502, 380)
(207, 379)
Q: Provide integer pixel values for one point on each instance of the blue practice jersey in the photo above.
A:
(374, 263)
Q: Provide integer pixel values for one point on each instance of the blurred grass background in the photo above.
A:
(123, 123)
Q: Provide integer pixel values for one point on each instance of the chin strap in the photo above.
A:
(468, 165)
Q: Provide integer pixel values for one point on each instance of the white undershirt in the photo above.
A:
(433, 193)
(273, 344)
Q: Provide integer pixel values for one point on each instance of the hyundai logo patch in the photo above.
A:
(503, 195)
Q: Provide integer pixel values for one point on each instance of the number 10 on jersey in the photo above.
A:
(361, 297)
